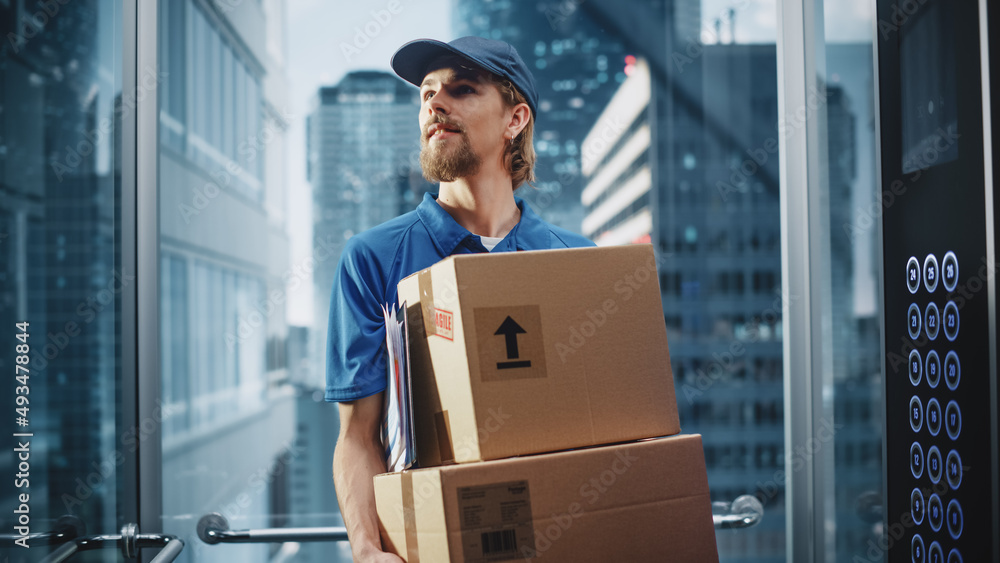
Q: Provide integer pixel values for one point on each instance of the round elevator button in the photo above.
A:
(952, 420)
(913, 274)
(930, 273)
(934, 464)
(950, 320)
(953, 469)
(932, 320)
(916, 367)
(954, 519)
(916, 460)
(949, 271)
(952, 370)
(935, 512)
(917, 506)
(913, 321)
(933, 416)
(916, 414)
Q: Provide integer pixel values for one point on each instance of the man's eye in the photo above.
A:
(466, 90)
(428, 94)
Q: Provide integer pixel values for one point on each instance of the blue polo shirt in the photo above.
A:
(372, 264)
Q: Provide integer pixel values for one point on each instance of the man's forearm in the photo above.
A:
(355, 463)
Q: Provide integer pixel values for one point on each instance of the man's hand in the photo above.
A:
(357, 458)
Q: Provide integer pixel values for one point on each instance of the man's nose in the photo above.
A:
(438, 104)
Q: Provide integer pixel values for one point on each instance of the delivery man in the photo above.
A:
(478, 104)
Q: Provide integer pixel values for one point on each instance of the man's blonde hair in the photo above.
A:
(519, 155)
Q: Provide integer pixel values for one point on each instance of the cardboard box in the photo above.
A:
(640, 501)
(529, 352)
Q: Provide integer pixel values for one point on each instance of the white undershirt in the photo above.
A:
(490, 242)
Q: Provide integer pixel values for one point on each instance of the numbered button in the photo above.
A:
(933, 417)
(952, 370)
(954, 469)
(935, 512)
(950, 320)
(916, 367)
(932, 320)
(954, 556)
(934, 464)
(916, 460)
(934, 553)
(930, 273)
(916, 413)
(952, 420)
(917, 506)
(913, 324)
(954, 519)
(913, 274)
(917, 549)
(933, 369)
(949, 271)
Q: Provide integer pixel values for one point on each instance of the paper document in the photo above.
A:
(397, 426)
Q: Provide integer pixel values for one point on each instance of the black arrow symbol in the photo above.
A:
(510, 329)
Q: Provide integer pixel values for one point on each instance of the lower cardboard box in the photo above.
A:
(636, 501)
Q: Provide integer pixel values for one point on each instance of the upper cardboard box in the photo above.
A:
(530, 352)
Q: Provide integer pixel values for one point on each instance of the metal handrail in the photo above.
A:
(744, 512)
(130, 541)
(213, 528)
(68, 527)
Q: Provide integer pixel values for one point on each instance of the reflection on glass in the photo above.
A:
(853, 488)
(229, 432)
(61, 106)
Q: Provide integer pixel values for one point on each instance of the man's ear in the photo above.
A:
(519, 117)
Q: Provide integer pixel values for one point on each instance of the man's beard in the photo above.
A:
(443, 164)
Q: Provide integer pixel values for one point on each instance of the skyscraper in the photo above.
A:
(577, 66)
(363, 150)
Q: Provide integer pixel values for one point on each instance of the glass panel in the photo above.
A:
(687, 104)
(61, 272)
(853, 491)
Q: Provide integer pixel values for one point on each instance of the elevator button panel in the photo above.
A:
(934, 409)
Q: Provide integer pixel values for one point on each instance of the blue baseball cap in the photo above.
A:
(412, 59)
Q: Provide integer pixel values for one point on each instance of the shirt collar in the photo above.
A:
(529, 233)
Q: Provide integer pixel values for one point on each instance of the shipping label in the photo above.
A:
(496, 522)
